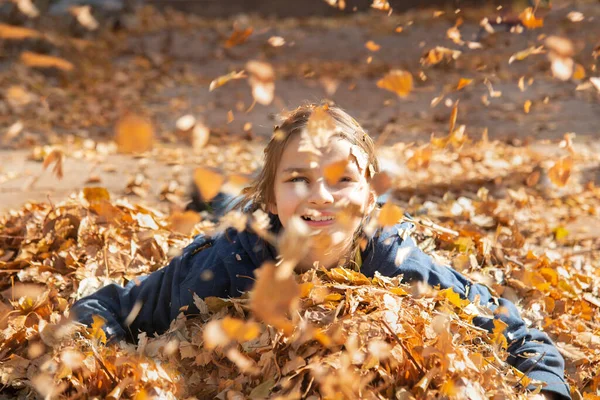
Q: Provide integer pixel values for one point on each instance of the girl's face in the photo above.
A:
(301, 189)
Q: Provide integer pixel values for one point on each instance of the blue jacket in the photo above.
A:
(232, 257)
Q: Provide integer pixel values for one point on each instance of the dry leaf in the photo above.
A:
(381, 183)
(527, 106)
(420, 158)
(200, 136)
(439, 54)
(390, 214)
(220, 81)
(529, 20)
(333, 172)
(184, 222)
(579, 73)
(262, 81)
(523, 54)
(276, 41)
(397, 81)
(463, 82)
(382, 5)
(209, 182)
(372, 46)
(27, 8)
(238, 37)
(134, 134)
(44, 61)
(95, 195)
(10, 32)
(560, 172)
(84, 16)
(55, 157)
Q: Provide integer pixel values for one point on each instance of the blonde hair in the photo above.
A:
(261, 192)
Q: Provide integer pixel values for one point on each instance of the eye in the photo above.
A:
(347, 179)
(298, 179)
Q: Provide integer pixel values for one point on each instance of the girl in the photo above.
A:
(297, 188)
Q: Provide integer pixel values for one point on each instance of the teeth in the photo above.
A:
(319, 218)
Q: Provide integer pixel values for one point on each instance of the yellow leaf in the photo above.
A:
(527, 106)
(560, 233)
(305, 289)
(560, 172)
(95, 194)
(390, 214)
(333, 172)
(529, 20)
(134, 134)
(463, 82)
(241, 331)
(10, 32)
(238, 37)
(44, 61)
(222, 80)
(97, 331)
(453, 298)
(209, 182)
(371, 45)
(348, 276)
(523, 54)
(397, 81)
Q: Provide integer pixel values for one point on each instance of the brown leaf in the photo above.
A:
(55, 157)
(237, 37)
(222, 80)
(463, 82)
(95, 194)
(397, 81)
(560, 172)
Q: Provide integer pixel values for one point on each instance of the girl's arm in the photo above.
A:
(393, 256)
(156, 298)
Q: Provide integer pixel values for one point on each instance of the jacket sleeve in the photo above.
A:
(156, 298)
(394, 256)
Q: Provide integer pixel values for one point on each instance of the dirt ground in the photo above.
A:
(163, 67)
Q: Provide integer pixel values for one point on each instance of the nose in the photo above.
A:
(320, 193)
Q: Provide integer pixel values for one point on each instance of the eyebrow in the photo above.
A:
(297, 169)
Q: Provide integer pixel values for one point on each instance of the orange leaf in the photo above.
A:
(560, 172)
(420, 159)
(579, 72)
(184, 222)
(96, 194)
(238, 37)
(453, 117)
(97, 331)
(10, 32)
(333, 172)
(371, 45)
(529, 20)
(463, 82)
(43, 61)
(134, 134)
(209, 182)
(527, 106)
(55, 156)
(223, 79)
(390, 214)
(397, 81)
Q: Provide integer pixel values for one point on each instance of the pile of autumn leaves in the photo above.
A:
(324, 334)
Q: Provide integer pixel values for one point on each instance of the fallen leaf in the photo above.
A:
(95, 194)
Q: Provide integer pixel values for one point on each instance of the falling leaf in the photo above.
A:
(10, 32)
(560, 172)
(230, 117)
(84, 16)
(382, 5)
(390, 214)
(381, 183)
(333, 172)
(397, 81)
(185, 122)
(527, 106)
(596, 82)
(523, 54)
(272, 299)
(529, 20)
(184, 222)
(522, 84)
(463, 82)
(453, 117)
(209, 182)
(262, 81)
(372, 46)
(200, 136)
(439, 54)
(222, 80)
(27, 8)
(134, 134)
(237, 37)
(579, 73)
(453, 34)
(37, 60)
(575, 16)
(276, 41)
(319, 129)
(96, 329)
(55, 157)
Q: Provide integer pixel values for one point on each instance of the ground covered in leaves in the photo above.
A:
(347, 336)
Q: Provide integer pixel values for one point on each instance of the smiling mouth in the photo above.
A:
(320, 218)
